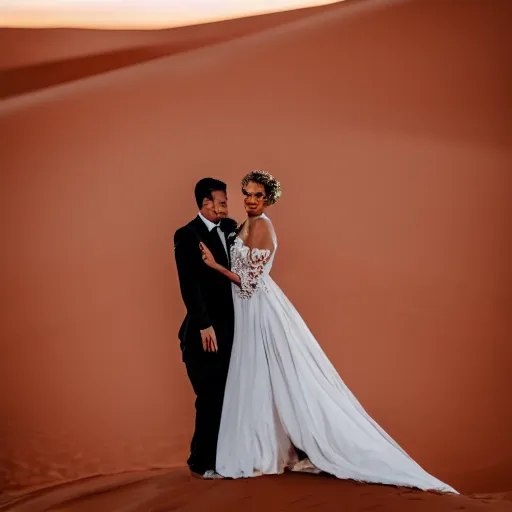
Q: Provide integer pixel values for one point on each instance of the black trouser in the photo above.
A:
(208, 377)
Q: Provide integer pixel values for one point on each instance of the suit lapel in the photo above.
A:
(229, 230)
(228, 246)
(200, 229)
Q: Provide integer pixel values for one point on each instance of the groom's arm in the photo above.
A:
(187, 255)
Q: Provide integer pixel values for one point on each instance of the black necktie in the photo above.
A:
(216, 236)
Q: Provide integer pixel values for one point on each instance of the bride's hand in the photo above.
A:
(207, 255)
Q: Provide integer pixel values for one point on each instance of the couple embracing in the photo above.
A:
(268, 398)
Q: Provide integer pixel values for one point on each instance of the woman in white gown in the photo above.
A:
(282, 391)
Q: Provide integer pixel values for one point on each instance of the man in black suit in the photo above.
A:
(206, 334)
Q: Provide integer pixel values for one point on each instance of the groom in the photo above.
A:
(206, 334)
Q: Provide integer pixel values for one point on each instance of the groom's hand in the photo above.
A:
(209, 340)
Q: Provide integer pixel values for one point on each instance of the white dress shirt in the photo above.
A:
(210, 226)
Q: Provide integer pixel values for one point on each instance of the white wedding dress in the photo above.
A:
(282, 390)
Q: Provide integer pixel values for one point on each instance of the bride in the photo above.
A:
(282, 391)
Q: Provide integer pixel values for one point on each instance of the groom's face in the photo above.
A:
(217, 207)
(220, 203)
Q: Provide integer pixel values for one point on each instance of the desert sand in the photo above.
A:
(34, 59)
(392, 141)
(177, 490)
(24, 48)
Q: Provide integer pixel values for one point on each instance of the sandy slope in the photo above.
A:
(36, 59)
(176, 490)
(29, 47)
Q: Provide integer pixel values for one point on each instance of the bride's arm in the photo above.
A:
(261, 246)
(210, 261)
(230, 275)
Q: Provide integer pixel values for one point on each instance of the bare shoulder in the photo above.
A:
(261, 233)
(261, 225)
(267, 223)
(262, 220)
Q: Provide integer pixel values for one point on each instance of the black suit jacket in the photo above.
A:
(206, 292)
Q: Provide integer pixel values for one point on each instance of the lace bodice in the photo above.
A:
(252, 265)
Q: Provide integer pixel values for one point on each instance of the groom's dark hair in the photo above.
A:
(205, 187)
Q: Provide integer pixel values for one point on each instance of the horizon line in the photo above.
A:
(47, 20)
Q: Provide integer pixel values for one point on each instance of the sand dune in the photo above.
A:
(392, 141)
(176, 490)
(29, 47)
(23, 80)
(43, 58)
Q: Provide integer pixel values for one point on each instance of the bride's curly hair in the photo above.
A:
(272, 186)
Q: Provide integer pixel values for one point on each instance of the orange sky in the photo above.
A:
(135, 13)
